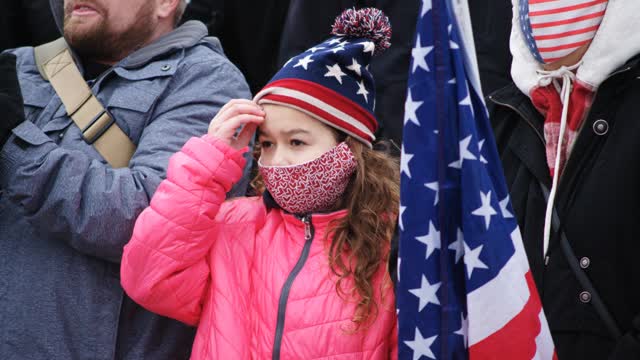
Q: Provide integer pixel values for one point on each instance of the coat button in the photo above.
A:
(585, 262)
(585, 297)
(600, 127)
(165, 67)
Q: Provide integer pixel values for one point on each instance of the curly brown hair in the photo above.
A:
(361, 240)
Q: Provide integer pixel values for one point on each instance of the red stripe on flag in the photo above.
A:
(563, 47)
(517, 339)
(540, 1)
(568, 21)
(567, 33)
(567, 8)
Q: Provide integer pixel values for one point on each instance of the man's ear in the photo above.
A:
(167, 8)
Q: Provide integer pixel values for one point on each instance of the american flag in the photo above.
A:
(555, 28)
(464, 289)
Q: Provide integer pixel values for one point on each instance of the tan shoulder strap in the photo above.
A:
(56, 65)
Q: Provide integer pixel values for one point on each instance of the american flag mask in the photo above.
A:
(556, 28)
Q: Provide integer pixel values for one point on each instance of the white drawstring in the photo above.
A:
(547, 77)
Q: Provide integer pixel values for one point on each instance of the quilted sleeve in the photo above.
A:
(164, 266)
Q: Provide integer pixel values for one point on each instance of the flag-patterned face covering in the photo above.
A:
(553, 29)
(312, 186)
(556, 28)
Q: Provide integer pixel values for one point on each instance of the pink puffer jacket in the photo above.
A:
(255, 281)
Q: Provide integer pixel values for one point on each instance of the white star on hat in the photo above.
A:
(355, 66)
(362, 90)
(304, 62)
(336, 71)
(369, 47)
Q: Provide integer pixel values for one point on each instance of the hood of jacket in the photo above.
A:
(613, 45)
(183, 37)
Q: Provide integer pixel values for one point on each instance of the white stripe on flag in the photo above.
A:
(550, 5)
(565, 40)
(562, 28)
(493, 305)
(544, 343)
(566, 15)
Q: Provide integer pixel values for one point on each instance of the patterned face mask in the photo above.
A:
(554, 29)
(312, 186)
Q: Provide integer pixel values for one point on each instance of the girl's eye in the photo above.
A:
(265, 144)
(297, 143)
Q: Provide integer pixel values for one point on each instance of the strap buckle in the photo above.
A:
(97, 127)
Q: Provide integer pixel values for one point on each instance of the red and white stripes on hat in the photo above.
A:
(331, 81)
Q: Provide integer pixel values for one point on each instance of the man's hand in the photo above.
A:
(236, 114)
(11, 103)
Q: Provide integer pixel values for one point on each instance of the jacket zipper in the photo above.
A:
(309, 233)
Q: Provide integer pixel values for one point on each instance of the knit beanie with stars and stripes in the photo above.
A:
(331, 81)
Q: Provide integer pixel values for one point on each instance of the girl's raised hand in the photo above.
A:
(237, 114)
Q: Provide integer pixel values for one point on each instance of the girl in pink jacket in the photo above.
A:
(300, 272)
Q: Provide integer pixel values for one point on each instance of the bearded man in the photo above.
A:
(65, 212)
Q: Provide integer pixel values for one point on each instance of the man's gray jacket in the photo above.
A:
(65, 214)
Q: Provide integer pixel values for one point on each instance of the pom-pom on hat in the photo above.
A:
(331, 81)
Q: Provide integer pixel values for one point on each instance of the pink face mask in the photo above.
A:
(312, 186)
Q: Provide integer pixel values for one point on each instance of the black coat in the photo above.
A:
(249, 31)
(598, 202)
(491, 23)
(26, 23)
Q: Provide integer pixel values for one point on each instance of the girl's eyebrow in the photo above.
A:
(295, 131)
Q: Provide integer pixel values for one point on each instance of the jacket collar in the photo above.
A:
(513, 97)
(183, 37)
(317, 219)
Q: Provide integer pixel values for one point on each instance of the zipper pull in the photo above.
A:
(546, 260)
(307, 226)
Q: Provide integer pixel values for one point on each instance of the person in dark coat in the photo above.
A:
(249, 31)
(567, 130)
(26, 23)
